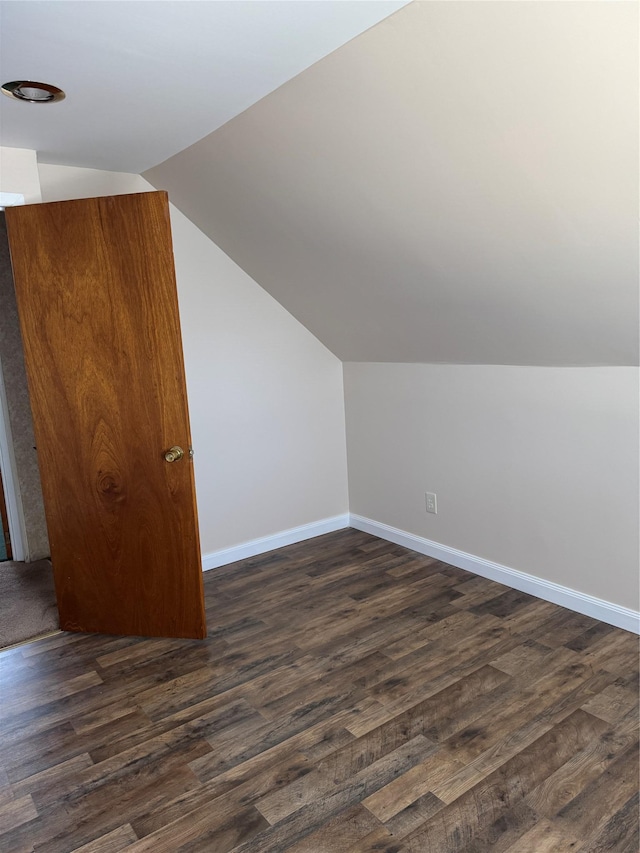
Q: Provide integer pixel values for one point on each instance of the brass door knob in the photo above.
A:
(174, 453)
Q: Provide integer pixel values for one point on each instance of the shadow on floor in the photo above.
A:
(27, 601)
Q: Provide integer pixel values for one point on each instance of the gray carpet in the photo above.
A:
(27, 601)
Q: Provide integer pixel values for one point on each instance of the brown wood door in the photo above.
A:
(98, 309)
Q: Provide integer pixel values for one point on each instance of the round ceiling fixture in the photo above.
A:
(32, 92)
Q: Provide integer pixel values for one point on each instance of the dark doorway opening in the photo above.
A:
(5, 538)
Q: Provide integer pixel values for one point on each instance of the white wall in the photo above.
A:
(265, 396)
(60, 183)
(534, 468)
(266, 401)
(19, 173)
(459, 184)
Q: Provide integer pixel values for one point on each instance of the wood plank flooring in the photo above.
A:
(352, 697)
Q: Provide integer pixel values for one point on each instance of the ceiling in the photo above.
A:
(457, 184)
(146, 78)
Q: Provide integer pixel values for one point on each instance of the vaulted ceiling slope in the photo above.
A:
(457, 184)
(146, 78)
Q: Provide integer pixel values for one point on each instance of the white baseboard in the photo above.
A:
(598, 608)
(270, 543)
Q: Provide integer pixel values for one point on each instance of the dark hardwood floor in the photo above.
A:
(352, 697)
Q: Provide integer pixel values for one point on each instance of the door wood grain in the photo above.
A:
(97, 300)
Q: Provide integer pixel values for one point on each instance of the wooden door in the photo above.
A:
(98, 310)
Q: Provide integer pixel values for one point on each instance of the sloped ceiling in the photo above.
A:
(458, 184)
(146, 78)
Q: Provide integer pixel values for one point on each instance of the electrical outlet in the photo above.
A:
(431, 501)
